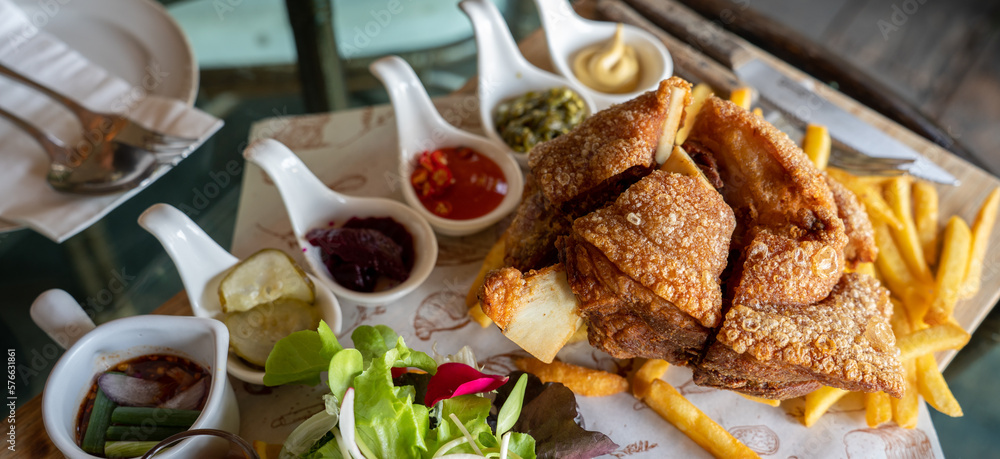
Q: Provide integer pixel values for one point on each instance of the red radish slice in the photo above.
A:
(453, 379)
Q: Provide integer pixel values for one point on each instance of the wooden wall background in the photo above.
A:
(944, 57)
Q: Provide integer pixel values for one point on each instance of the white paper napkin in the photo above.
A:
(25, 196)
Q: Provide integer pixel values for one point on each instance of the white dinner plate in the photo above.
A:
(129, 38)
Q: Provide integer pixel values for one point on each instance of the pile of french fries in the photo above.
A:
(925, 283)
(926, 271)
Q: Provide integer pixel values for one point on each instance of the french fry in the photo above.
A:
(700, 92)
(925, 214)
(757, 111)
(477, 314)
(905, 409)
(816, 144)
(650, 371)
(931, 339)
(267, 450)
(878, 408)
(866, 268)
(870, 196)
(900, 321)
(898, 194)
(765, 401)
(820, 400)
(741, 96)
(896, 273)
(682, 414)
(951, 271)
(982, 226)
(581, 380)
(494, 260)
(934, 389)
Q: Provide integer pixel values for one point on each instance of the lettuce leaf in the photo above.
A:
(471, 411)
(373, 341)
(389, 421)
(386, 418)
(344, 367)
(551, 416)
(298, 358)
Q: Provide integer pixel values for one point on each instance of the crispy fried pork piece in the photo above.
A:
(582, 170)
(671, 234)
(646, 268)
(860, 246)
(792, 240)
(844, 341)
(532, 234)
(624, 318)
(536, 310)
(723, 368)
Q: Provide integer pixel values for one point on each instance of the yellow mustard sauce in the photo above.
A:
(611, 67)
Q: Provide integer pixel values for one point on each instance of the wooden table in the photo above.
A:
(963, 201)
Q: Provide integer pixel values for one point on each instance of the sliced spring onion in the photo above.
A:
(309, 432)
(449, 446)
(160, 416)
(363, 447)
(340, 444)
(128, 448)
(504, 444)
(141, 433)
(466, 433)
(100, 417)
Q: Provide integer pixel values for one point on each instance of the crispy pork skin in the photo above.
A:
(582, 170)
(843, 341)
(788, 231)
(646, 268)
(671, 234)
(860, 246)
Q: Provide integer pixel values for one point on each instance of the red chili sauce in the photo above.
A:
(177, 373)
(458, 183)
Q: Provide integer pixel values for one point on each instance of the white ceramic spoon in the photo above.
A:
(421, 128)
(503, 72)
(93, 350)
(311, 204)
(203, 264)
(567, 33)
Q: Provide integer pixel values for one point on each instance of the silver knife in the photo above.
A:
(801, 103)
(792, 98)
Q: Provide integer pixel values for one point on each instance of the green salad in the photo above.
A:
(389, 401)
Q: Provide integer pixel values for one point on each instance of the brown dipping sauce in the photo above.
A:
(176, 373)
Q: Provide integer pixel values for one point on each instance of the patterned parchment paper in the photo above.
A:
(354, 152)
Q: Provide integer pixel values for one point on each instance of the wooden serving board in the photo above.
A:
(962, 200)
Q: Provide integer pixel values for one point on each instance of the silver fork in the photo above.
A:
(861, 164)
(102, 127)
(93, 168)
